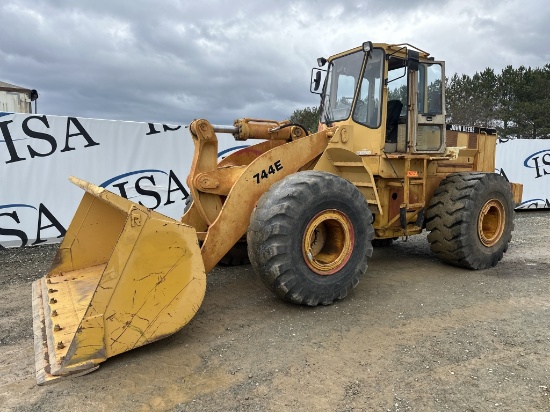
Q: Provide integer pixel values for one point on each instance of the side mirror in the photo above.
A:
(316, 80)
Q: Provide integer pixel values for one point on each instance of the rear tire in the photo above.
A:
(470, 219)
(309, 238)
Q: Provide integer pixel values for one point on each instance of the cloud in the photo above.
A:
(173, 61)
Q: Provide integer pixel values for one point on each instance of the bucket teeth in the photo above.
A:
(52, 341)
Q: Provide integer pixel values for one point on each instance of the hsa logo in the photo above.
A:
(540, 161)
(145, 186)
(42, 121)
(15, 216)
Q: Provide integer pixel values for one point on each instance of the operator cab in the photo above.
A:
(393, 89)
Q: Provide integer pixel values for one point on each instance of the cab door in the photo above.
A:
(429, 133)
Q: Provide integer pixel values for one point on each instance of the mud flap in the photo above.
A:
(124, 276)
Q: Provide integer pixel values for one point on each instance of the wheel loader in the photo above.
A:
(308, 207)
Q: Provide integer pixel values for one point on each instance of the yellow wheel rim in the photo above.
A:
(328, 242)
(490, 224)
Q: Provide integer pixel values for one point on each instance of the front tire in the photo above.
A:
(309, 238)
(470, 219)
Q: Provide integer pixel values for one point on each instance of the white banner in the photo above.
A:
(145, 162)
(527, 161)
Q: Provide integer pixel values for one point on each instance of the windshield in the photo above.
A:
(342, 81)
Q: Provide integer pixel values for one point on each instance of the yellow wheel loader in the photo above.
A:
(308, 206)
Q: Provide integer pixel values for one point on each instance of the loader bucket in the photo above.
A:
(124, 276)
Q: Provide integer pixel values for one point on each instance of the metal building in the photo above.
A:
(16, 99)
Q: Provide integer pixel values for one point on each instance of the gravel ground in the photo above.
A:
(415, 335)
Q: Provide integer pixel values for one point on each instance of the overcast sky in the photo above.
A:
(171, 61)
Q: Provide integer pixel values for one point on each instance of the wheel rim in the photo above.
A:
(328, 242)
(490, 223)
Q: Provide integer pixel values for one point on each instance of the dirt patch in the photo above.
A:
(415, 334)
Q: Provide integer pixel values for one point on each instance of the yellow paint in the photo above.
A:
(125, 276)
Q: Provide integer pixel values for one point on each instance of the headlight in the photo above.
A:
(367, 46)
